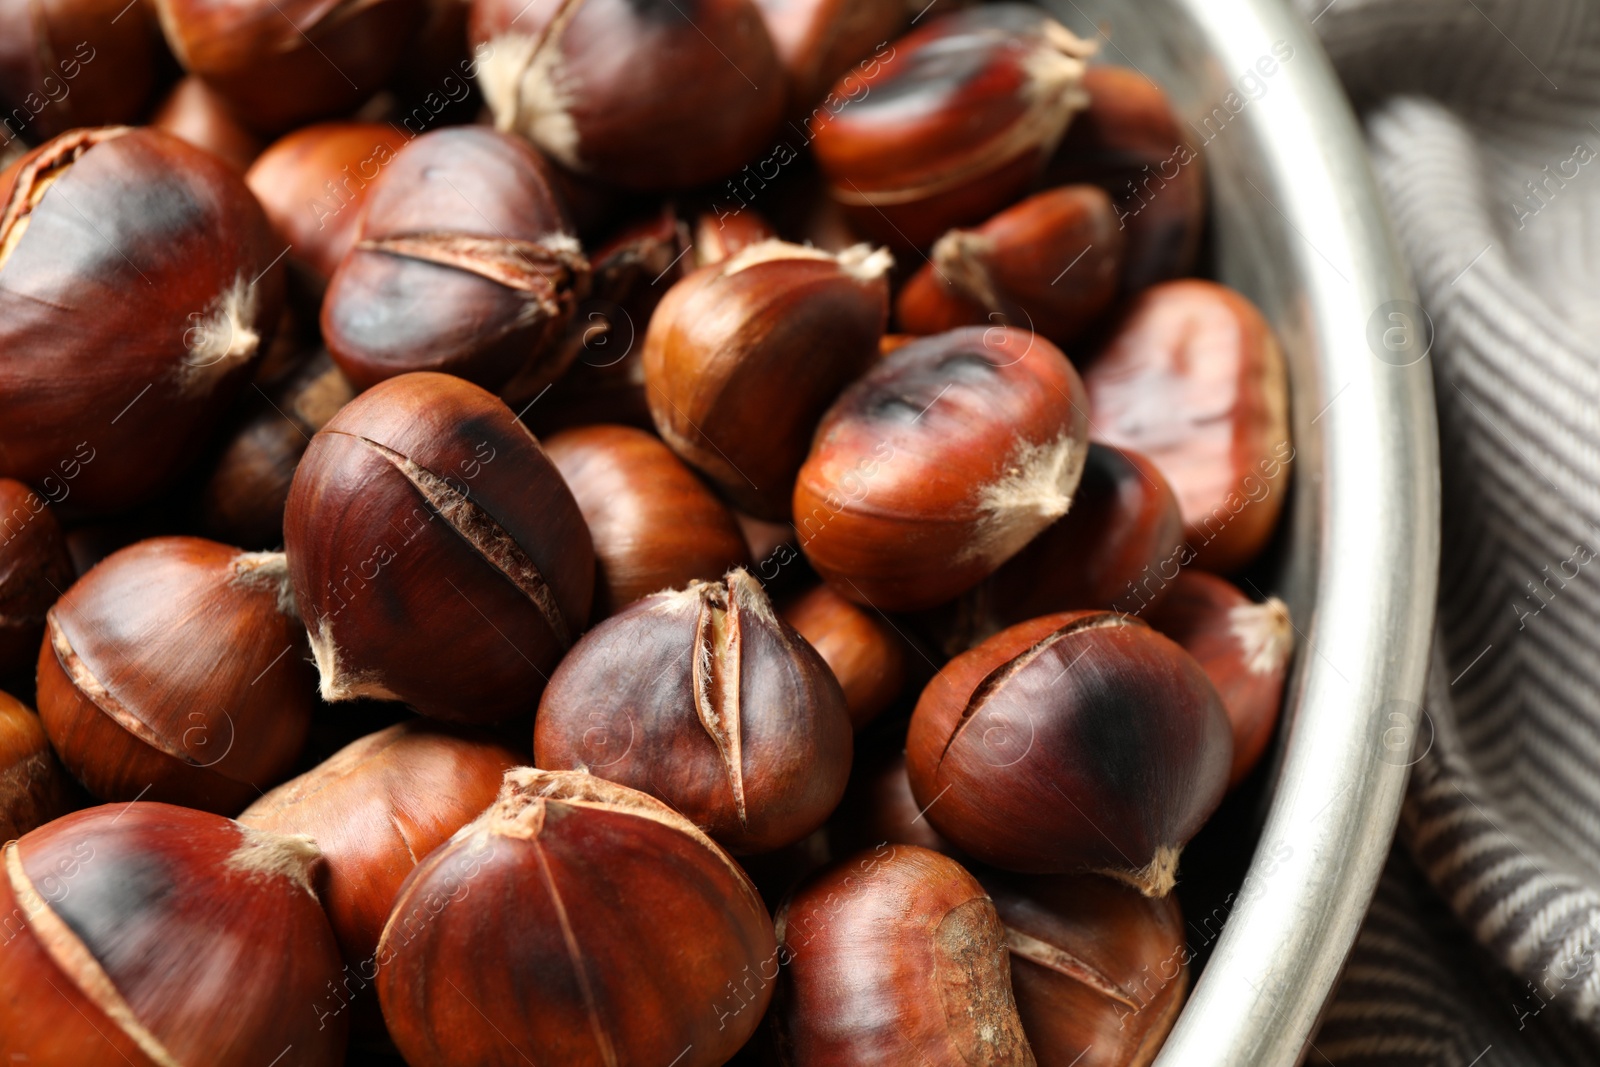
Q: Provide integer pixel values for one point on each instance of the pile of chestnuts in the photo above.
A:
(636, 534)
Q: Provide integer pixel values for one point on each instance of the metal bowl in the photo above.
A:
(1298, 227)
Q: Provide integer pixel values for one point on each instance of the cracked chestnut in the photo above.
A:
(581, 919)
(939, 464)
(33, 787)
(437, 556)
(175, 670)
(1072, 742)
(705, 698)
(35, 569)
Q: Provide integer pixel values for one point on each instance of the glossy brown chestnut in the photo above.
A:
(1131, 143)
(462, 264)
(148, 934)
(642, 94)
(953, 125)
(1244, 648)
(243, 498)
(862, 649)
(895, 956)
(1051, 263)
(313, 183)
(33, 787)
(655, 525)
(117, 400)
(175, 670)
(1078, 741)
(35, 569)
(284, 62)
(438, 557)
(878, 806)
(1099, 970)
(581, 919)
(721, 350)
(194, 112)
(66, 63)
(705, 698)
(821, 41)
(1194, 379)
(939, 464)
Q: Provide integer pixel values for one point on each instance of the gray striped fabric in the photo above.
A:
(1483, 946)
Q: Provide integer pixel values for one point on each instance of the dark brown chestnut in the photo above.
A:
(579, 920)
(642, 94)
(33, 787)
(895, 956)
(878, 806)
(1243, 646)
(1193, 378)
(178, 264)
(1051, 263)
(175, 670)
(863, 649)
(820, 41)
(35, 569)
(720, 355)
(939, 464)
(655, 525)
(708, 700)
(438, 557)
(155, 935)
(1078, 741)
(66, 63)
(194, 112)
(954, 124)
(1099, 970)
(462, 264)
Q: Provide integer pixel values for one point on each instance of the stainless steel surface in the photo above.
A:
(1298, 227)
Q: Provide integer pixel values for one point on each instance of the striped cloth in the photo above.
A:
(1482, 948)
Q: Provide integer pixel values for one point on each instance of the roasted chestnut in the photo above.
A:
(462, 264)
(66, 63)
(939, 464)
(1194, 379)
(194, 112)
(954, 124)
(862, 649)
(578, 918)
(895, 956)
(643, 94)
(35, 569)
(720, 355)
(878, 806)
(1051, 263)
(654, 525)
(149, 934)
(173, 257)
(438, 557)
(704, 698)
(819, 41)
(1244, 648)
(175, 670)
(1078, 741)
(33, 787)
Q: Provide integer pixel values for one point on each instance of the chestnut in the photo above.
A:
(704, 698)
(375, 808)
(67, 63)
(895, 955)
(819, 41)
(281, 63)
(150, 934)
(194, 112)
(1088, 707)
(1051, 263)
(175, 670)
(939, 464)
(579, 920)
(312, 184)
(654, 525)
(1243, 646)
(863, 650)
(166, 246)
(33, 787)
(641, 94)
(35, 569)
(437, 556)
(954, 124)
(462, 263)
(1099, 970)
(878, 806)
(721, 353)
(1193, 377)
